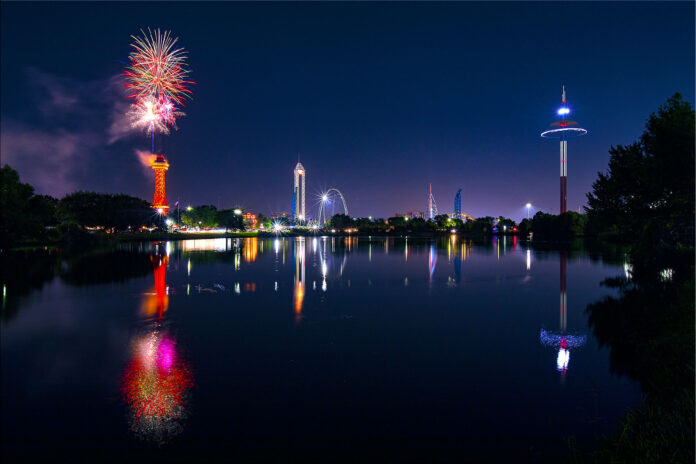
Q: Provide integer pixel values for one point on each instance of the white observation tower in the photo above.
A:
(298, 198)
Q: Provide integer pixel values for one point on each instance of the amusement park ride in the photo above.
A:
(329, 198)
(563, 129)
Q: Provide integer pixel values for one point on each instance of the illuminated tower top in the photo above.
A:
(563, 128)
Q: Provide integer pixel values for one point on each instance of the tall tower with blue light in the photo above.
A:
(564, 129)
(458, 205)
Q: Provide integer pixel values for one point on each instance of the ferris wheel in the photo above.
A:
(328, 204)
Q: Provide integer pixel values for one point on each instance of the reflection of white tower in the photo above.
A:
(298, 295)
(299, 211)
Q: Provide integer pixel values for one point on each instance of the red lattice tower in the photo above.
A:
(159, 200)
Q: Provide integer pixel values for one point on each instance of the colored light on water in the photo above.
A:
(562, 360)
(165, 354)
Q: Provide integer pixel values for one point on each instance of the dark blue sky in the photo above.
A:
(379, 99)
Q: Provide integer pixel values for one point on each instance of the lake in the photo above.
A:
(316, 348)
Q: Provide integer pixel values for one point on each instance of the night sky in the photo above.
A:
(378, 99)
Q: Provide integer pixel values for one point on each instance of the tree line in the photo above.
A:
(645, 196)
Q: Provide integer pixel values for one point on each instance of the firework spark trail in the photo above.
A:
(154, 115)
(157, 81)
(157, 68)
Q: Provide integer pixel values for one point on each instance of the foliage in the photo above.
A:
(647, 193)
(442, 221)
(371, 227)
(205, 216)
(264, 221)
(117, 212)
(649, 330)
(229, 220)
(340, 222)
(504, 222)
(23, 215)
(557, 227)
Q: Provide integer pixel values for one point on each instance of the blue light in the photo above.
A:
(563, 111)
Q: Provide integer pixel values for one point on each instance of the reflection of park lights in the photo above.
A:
(666, 274)
(529, 259)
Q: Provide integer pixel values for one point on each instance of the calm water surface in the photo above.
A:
(289, 347)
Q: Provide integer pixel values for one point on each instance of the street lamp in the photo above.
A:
(528, 205)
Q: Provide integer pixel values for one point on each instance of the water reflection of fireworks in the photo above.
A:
(155, 386)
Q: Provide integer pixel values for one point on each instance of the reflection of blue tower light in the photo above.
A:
(457, 267)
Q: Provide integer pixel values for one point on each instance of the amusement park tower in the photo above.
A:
(298, 196)
(432, 206)
(159, 200)
(564, 129)
(458, 205)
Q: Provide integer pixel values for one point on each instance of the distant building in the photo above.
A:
(411, 215)
(458, 204)
(432, 206)
(250, 220)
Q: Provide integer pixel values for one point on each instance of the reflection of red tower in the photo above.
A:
(159, 200)
(157, 301)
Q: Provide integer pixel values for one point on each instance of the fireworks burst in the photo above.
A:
(157, 68)
(157, 81)
(154, 115)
